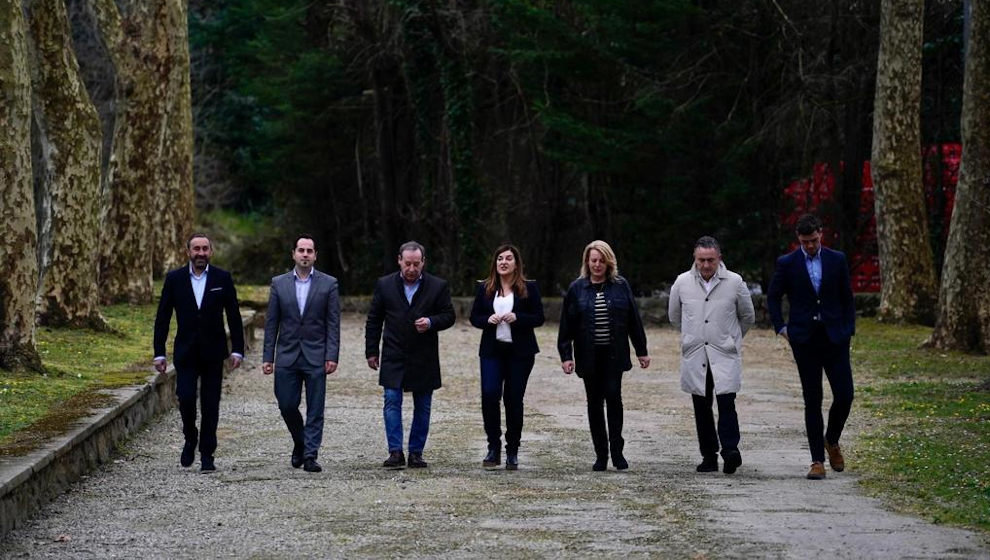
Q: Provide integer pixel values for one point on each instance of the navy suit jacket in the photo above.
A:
(833, 302)
(529, 315)
(410, 360)
(200, 336)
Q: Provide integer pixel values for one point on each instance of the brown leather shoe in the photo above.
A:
(817, 471)
(835, 459)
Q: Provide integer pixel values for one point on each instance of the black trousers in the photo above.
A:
(603, 387)
(209, 376)
(503, 379)
(812, 357)
(704, 420)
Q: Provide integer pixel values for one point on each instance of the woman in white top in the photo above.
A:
(507, 308)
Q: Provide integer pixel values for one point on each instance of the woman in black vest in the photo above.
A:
(598, 319)
(507, 308)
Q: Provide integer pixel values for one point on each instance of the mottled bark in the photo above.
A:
(174, 199)
(906, 263)
(18, 227)
(68, 177)
(135, 39)
(963, 320)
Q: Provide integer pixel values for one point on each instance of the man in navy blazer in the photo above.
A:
(199, 294)
(413, 306)
(821, 320)
(302, 345)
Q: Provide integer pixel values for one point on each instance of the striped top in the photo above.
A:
(602, 337)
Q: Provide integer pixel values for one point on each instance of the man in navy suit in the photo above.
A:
(302, 345)
(413, 306)
(199, 294)
(821, 321)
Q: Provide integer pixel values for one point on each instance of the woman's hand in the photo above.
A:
(494, 319)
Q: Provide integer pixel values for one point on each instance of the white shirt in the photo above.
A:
(710, 283)
(198, 284)
(302, 289)
(503, 305)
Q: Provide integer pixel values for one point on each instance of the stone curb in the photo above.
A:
(29, 481)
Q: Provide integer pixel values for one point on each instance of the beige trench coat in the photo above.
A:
(712, 327)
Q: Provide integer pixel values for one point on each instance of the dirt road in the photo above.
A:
(145, 505)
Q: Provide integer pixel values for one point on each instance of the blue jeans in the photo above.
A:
(420, 429)
(504, 378)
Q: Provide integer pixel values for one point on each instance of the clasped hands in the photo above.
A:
(495, 318)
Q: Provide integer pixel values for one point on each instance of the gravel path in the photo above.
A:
(144, 504)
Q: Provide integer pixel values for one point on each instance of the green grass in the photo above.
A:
(79, 363)
(926, 446)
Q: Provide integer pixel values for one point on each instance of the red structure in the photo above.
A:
(940, 175)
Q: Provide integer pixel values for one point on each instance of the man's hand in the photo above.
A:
(235, 362)
(373, 362)
(161, 365)
(422, 325)
(644, 362)
(267, 368)
(567, 366)
(329, 367)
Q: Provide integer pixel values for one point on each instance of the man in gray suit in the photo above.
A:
(302, 344)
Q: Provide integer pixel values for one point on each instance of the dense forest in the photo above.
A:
(647, 123)
(129, 124)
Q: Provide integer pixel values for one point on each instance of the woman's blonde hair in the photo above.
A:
(611, 265)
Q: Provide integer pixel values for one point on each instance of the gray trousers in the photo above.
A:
(289, 382)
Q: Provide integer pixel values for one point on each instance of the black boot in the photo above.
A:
(618, 461)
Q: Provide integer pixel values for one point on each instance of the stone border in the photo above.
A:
(27, 482)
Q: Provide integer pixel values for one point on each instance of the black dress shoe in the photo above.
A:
(207, 465)
(396, 460)
(708, 464)
(297, 456)
(416, 461)
(493, 459)
(310, 465)
(188, 454)
(732, 460)
(601, 463)
(512, 462)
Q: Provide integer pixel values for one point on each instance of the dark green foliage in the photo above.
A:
(548, 123)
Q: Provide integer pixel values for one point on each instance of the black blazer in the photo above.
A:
(576, 337)
(529, 315)
(833, 302)
(409, 360)
(200, 336)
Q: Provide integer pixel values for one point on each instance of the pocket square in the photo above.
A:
(216, 289)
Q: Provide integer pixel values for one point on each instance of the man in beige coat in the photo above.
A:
(712, 307)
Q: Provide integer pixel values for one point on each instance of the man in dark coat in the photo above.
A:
(199, 294)
(413, 306)
(820, 323)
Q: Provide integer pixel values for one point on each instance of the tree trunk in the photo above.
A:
(963, 320)
(18, 224)
(69, 173)
(907, 272)
(174, 198)
(136, 41)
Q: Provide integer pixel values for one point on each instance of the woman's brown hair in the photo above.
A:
(492, 283)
